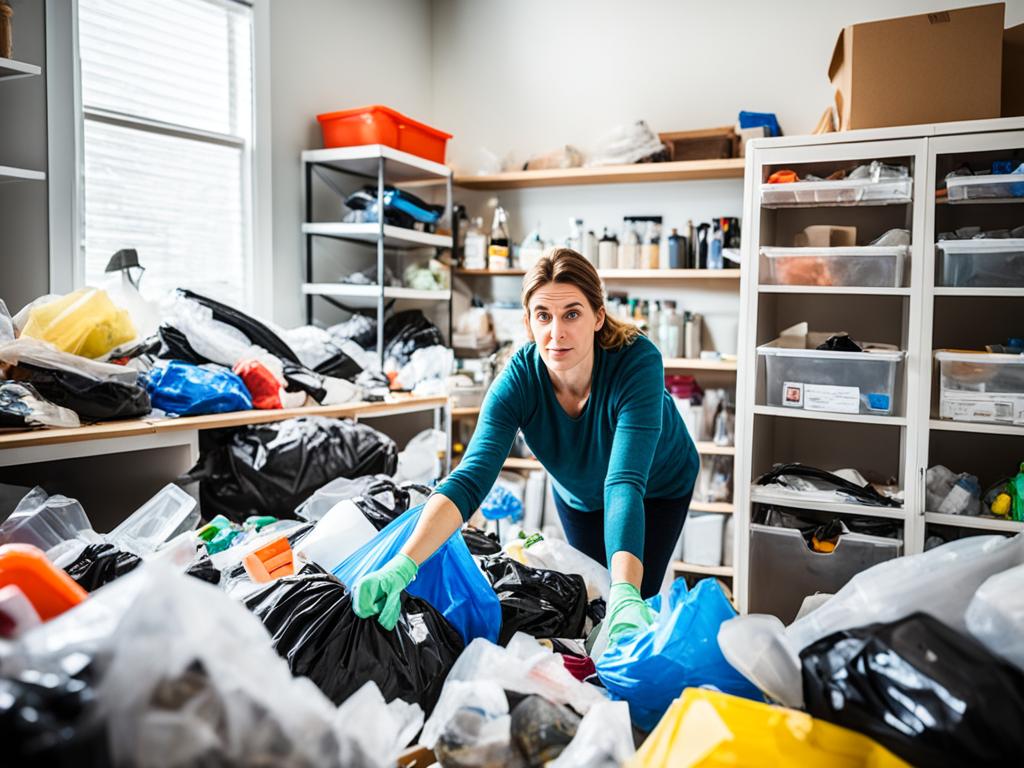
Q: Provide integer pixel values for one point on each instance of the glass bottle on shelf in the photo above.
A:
(629, 250)
(499, 252)
(474, 250)
(650, 251)
(607, 250)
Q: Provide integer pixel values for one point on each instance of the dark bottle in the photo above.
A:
(678, 249)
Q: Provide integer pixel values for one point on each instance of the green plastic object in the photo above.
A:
(215, 526)
(1015, 487)
(257, 522)
(223, 540)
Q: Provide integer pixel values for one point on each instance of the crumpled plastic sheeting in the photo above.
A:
(84, 322)
(940, 582)
(189, 678)
(995, 615)
(604, 739)
(22, 407)
(43, 355)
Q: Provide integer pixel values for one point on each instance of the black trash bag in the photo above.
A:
(930, 694)
(536, 601)
(841, 342)
(269, 469)
(596, 610)
(257, 333)
(22, 407)
(48, 717)
(302, 379)
(480, 543)
(314, 628)
(405, 332)
(174, 345)
(542, 730)
(148, 346)
(382, 501)
(100, 564)
(91, 399)
(339, 366)
(204, 570)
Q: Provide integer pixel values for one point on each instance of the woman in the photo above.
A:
(589, 396)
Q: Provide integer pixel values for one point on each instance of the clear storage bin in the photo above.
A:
(840, 192)
(783, 570)
(837, 382)
(983, 263)
(989, 187)
(702, 539)
(468, 397)
(868, 266)
(981, 386)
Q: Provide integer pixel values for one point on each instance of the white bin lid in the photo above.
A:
(978, 358)
(877, 352)
(813, 186)
(991, 178)
(876, 251)
(983, 245)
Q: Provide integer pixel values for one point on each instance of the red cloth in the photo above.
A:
(580, 667)
(261, 383)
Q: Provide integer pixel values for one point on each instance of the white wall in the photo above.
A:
(531, 75)
(327, 55)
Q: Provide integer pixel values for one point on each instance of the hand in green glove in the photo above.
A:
(627, 611)
(380, 591)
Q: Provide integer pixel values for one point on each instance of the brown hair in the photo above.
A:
(566, 266)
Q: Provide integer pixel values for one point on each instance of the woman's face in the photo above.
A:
(562, 323)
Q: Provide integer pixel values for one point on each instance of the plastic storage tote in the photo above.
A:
(987, 263)
(702, 539)
(981, 386)
(840, 192)
(837, 382)
(783, 570)
(988, 187)
(866, 266)
(383, 125)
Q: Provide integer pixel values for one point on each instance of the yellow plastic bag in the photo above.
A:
(712, 730)
(85, 322)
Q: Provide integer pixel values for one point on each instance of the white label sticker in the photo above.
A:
(999, 408)
(827, 397)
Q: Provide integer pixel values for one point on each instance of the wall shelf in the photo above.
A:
(394, 237)
(710, 449)
(515, 463)
(696, 364)
(857, 418)
(760, 494)
(979, 427)
(8, 174)
(971, 521)
(688, 170)
(11, 69)
(703, 570)
(720, 507)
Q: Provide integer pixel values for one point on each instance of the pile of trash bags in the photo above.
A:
(103, 354)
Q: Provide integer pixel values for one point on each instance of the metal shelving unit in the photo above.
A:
(10, 69)
(383, 165)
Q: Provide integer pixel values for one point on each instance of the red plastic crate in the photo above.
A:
(382, 125)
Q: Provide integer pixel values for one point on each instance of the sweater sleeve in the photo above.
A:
(637, 431)
(499, 421)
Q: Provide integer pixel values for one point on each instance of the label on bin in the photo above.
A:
(999, 408)
(828, 397)
(877, 401)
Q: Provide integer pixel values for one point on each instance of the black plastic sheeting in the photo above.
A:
(405, 332)
(930, 694)
(541, 729)
(174, 345)
(536, 601)
(48, 717)
(204, 570)
(258, 333)
(16, 405)
(100, 564)
(269, 469)
(372, 502)
(314, 628)
(480, 543)
(339, 366)
(91, 399)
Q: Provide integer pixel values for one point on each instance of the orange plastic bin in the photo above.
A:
(382, 125)
(50, 590)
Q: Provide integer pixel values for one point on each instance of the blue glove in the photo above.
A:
(380, 591)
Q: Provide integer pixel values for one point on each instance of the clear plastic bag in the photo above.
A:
(995, 615)
(210, 338)
(46, 522)
(418, 463)
(327, 496)
(45, 355)
(558, 555)
(604, 739)
(169, 513)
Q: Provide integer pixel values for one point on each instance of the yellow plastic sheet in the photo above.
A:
(712, 730)
(85, 322)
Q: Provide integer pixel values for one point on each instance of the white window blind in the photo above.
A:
(167, 103)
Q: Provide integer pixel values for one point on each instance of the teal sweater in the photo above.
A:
(629, 443)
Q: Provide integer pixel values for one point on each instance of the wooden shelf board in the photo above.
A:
(460, 412)
(706, 570)
(514, 463)
(710, 449)
(688, 170)
(696, 364)
(718, 507)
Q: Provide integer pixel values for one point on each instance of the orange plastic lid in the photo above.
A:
(270, 562)
(387, 111)
(50, 590)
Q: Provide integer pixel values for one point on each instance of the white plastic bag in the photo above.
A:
(418, 463)
(338, 534)
(756, 645)
(45, 355)
(327, 496)
(375, 731)
(46, 522)
(995, 615)
(486, 697)
(426, 363)
(604, 739)
(212, 339)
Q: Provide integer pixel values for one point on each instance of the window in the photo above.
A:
(167, 106)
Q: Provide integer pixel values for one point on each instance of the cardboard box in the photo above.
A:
(1013, 71)
(704, 144)
(826, 236)
(931, 68)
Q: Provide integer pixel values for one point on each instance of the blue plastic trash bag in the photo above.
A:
(501, 503)
(449, 580)
(650, 668)
(189, 390)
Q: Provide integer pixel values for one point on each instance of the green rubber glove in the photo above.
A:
(380, 591)
(627, 611)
